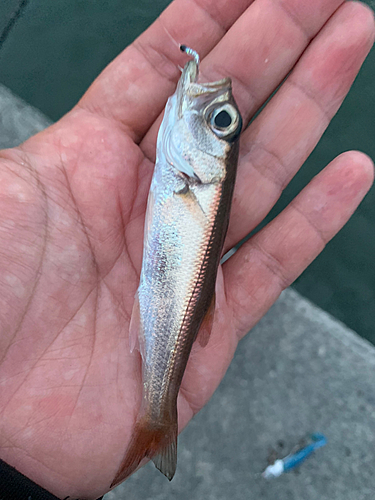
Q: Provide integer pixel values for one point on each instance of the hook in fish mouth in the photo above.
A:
(190, 74)
(189, 90)
(190, 52)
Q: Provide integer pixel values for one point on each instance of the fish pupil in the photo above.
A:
(223, 119)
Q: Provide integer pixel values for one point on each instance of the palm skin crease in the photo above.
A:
(72, 205)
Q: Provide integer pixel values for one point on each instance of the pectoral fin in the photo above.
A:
(177, 161)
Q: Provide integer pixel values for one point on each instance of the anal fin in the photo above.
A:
(206, 327)
(135, 325)
(136, 338)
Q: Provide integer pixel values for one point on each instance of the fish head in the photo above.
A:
(203, 125)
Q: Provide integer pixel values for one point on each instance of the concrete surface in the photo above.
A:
(18, 121)
(299, 371)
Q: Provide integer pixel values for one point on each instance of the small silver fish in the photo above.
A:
(186, 223)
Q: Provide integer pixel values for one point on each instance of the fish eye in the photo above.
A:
(225, 121)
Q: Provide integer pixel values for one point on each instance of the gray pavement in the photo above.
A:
(299, 371)
(18, 121)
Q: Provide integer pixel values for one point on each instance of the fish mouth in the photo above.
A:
(189, 90)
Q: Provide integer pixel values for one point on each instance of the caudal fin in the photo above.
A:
(154, 440)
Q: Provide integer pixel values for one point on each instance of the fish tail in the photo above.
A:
(152, 439)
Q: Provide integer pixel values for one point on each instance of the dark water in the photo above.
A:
(55, 50)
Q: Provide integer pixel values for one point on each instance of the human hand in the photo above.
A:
(72, 204)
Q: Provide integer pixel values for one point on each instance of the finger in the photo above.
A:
(133, 89)
(281, 138)
(273, 258)
(260, 50)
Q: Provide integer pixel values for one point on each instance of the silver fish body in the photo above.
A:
(186, 222)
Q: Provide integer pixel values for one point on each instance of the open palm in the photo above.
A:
(72, 205)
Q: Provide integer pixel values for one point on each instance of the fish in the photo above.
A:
(186, 222)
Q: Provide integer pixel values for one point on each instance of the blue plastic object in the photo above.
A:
(295, 459)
